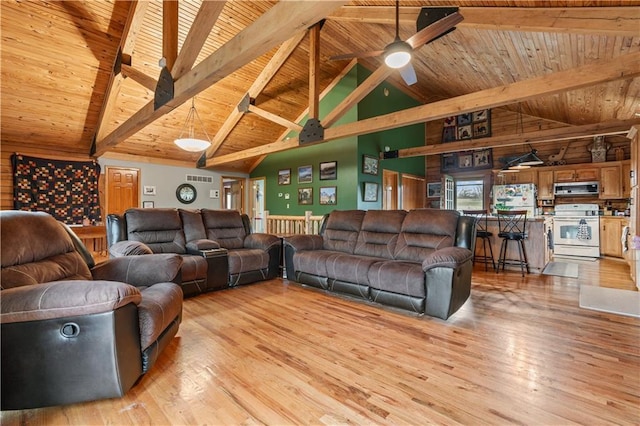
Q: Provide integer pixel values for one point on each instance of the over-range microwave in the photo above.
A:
(572, 189)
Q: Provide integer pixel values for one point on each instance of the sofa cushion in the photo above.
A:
(160, 305)
(350, 267)
(424, 231)
(398, 277)
(313, 262)
(379, 233)
(341, 232)
(37, 251)
(192, 225)
(160, 229)
(225, 227)
(243, 260)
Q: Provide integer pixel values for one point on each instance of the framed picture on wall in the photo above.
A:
(433, 190)
(147, 204)
(370, 191)
(284, 176)
(328, 195)
(305, 174)
(329, 170)
(305, 195)
(369, 165)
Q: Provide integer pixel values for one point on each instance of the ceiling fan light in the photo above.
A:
(192, 144)
(397, 54)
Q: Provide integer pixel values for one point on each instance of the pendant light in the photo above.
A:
(191, 143)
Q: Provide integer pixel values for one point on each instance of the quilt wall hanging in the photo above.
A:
(67, 190)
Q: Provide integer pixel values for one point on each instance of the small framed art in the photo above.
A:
(329, 195)
(284, 176)
(305, 174)
(329, 170)
(149, 190)
(370, 165)
(370, 191)
(305, 196)
(147, 204)
(433, 190)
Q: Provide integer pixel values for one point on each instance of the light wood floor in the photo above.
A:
(520, 351)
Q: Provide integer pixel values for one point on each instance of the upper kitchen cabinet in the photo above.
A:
(611, 182)
(626, 180)
(577, 175)
(545, 185)
(522, 176)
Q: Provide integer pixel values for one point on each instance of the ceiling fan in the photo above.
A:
(432, 23)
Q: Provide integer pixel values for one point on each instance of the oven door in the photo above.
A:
(576, 236)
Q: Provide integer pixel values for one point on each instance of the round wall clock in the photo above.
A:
(186, 193)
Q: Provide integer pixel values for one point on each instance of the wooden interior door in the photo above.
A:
(390, 190)
(413, 192)
(122, 189)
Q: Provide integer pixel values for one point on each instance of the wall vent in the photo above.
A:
(199, 179)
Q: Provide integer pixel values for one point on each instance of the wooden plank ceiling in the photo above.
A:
(59, 91)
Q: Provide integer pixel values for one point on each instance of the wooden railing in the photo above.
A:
(289, 225)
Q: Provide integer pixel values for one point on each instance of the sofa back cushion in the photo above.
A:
(192, 225)
(225, 227)
(37, 249)
(379, 233)
(424, 231)
(341, 231)
(160, 229)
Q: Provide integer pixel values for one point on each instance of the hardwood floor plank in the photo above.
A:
(520, 351)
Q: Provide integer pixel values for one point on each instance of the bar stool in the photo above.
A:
(512, 227)
(484, 234)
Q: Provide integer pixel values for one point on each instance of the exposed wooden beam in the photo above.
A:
(621, 67)
(170, 32)
(275, 118)
(314, 71)
(137, 10)
(139, 77)
(197, 36)
(548, 135)
(277, 60)
(621, 20)
(379, 75)
(272, 28)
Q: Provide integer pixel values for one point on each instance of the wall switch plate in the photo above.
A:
(214, 193)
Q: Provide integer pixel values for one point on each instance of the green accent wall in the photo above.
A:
(347, 152)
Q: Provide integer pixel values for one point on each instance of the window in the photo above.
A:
(469, 194)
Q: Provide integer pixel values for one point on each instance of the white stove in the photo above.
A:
(576, 230)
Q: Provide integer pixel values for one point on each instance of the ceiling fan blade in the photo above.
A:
(435, 30)
(408, 74)
(368, 54)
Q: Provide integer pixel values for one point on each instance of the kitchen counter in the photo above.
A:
(534, 245)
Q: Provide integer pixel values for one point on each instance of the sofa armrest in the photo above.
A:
(143, 270)
(59, 299)
(448, 257)
(198, 246)
(304, 242)
(261, 241)
(128, 248)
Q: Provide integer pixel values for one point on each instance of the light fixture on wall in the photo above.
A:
(191, 143)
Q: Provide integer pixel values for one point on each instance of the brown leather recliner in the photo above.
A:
(71, 333)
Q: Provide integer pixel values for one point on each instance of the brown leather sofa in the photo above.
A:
(218, 247)
(419, 260)
(73, 331)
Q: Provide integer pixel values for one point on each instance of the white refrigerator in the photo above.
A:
(518, 196)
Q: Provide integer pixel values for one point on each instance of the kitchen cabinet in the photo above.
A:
(610, 182)
(626, 180)
(577, 175)
(523, 176)
(611, 234)
(545, 185)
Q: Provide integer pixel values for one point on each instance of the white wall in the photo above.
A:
(167, 178)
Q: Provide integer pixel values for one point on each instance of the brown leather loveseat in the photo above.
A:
(218, 246)
(73, 331)
(419, 260)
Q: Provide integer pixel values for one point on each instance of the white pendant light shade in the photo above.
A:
(192, 143)
(397, 54)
